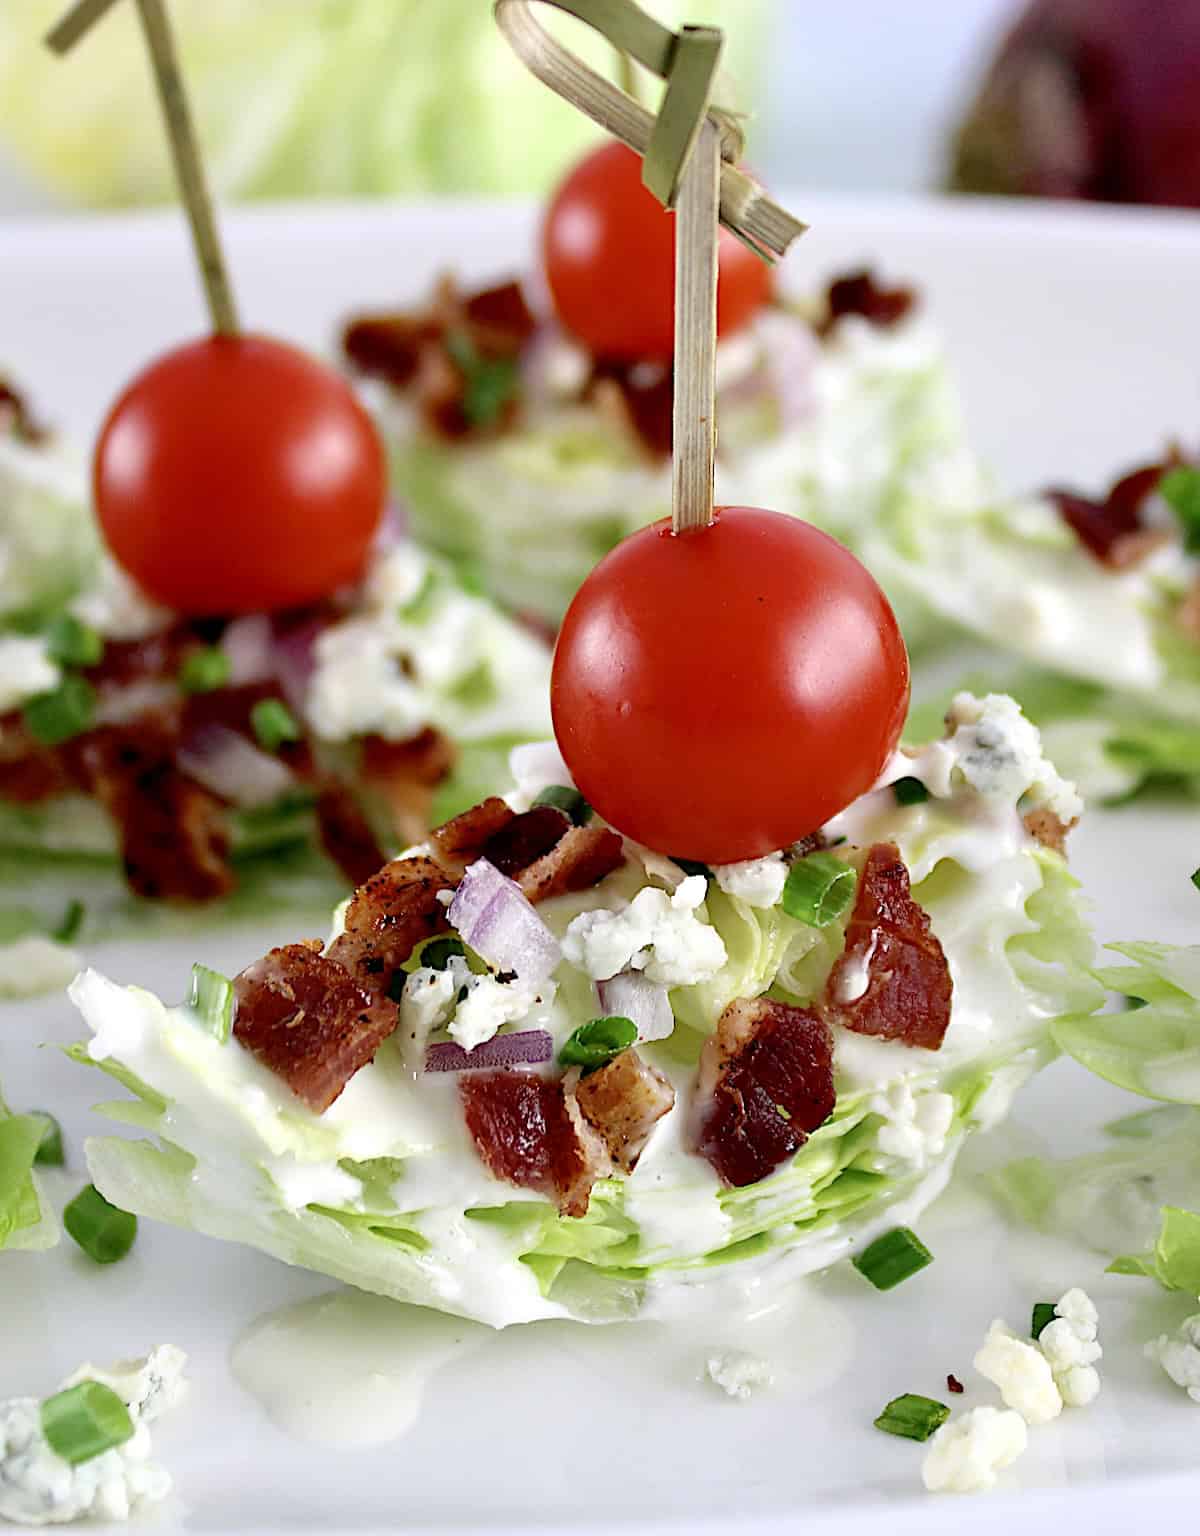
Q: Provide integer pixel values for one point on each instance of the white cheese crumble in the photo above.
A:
(1021, 1372)
(535, 766)
(38, 1487)
(657, 933)
(1179, 1355)
(1071, 1344)
(999, 753)
(965, 1455)
(490, 1003)
(117, 607)
(915, 1126)
(738, 1373)
(26, 670)
(757, 882)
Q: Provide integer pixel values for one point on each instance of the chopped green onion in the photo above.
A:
(894, 1257)
(211, 996)
(1180, 487)
(912, 1416)
(56, 717)
(596, 1043)
(85, 1421)
(49, 1152)
(419, 606)
(490, 382)
(72, 643)
(438, 953)
(1043, 1315)
(70, 923)
(204, 670)
(819, 889)
(567, 800)
(273, 724)
(1196, 878)
(692, 867)
(909, 791)
(105, 1233)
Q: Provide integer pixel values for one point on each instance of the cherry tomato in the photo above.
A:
(720, 694)
(237, 474)
(608, 248)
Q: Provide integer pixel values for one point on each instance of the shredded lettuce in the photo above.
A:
(26, 1220)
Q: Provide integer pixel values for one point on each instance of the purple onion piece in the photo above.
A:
(630, 995)
(490, 912)
(248, 643)
(232, 767)
(527, 1048)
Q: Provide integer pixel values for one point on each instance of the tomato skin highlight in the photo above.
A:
(236, 474)
(720, 694)
(608, 251)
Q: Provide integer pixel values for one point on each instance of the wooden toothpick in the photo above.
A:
(696, 228)
(185, 151)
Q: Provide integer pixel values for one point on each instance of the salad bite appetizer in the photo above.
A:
(714, 994)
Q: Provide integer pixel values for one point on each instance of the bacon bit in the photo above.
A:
(388, 346)
(859, 294)
(640, 397)
(388, 916)
(1049, 830)
(908, 979)
(134, 661)
(17, 418)
(174, 835)
(526, 838)
(499, 317)
(623, 1102)
(526, 1134)
(1188, 612)
(765, 1084)
(308, 1022)
(954, 1385)
(1112, 529)
(461, 840)
(346, 834)
(581, 858)
(406, 773)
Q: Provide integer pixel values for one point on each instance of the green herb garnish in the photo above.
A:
(69, 923)
(438, 953)
(819, 889)
(273, 723)
(1180, 488)
(73, 644)
(491, 382)
(910, 791)
(204, 670)
(912, 1416)
(567, 800)
(85, 1421)
(894, 1257)
(1043, 1315)
(56, 717)
(210, 997)
(105, 1233)
(596, 1043)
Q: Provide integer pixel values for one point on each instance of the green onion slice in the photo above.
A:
(912, 1416)
(70, 923)
(596, 1043)
(56, 717)
(1043, 1315)
(273, 724)
(819, 889)
(1180, 487)
(1196, 878)
(910, 791)
(210, 996)
(105, 1233)
(567, 800)
(72, 643)
(85, 1421)
(49, 1152)
(894, 1257)
(204, 670)
(490, 382)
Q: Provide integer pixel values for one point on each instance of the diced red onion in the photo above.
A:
(249, 645)
(630, 995)
(295, 659)
(233, 767)
(493, 916)
(528, 1047)
(118, 705)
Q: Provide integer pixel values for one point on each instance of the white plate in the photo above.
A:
(1076, 335)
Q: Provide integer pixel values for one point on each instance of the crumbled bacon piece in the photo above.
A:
(175, 840)
(388, 346)
(526, 838)
(1112, 529)
(464, 838)
(892, 979)
(623, 1102)
(526, 1134)
(153, 658)
(346, 834)
(499, 317)
(859, 294)
(406, 773)
(954, 1385)
(765, 1084)
(29, 771)
(1049, 830)
(641, 398)
(308, 1022)
(388, 916)
(581, 858)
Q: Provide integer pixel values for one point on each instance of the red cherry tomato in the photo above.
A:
(723, 693)
(237, 474)
(608, 248)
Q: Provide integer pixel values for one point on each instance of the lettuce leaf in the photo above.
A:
(26, 1221)
(1174, 1261)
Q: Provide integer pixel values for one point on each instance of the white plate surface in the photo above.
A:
(1076, 336)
